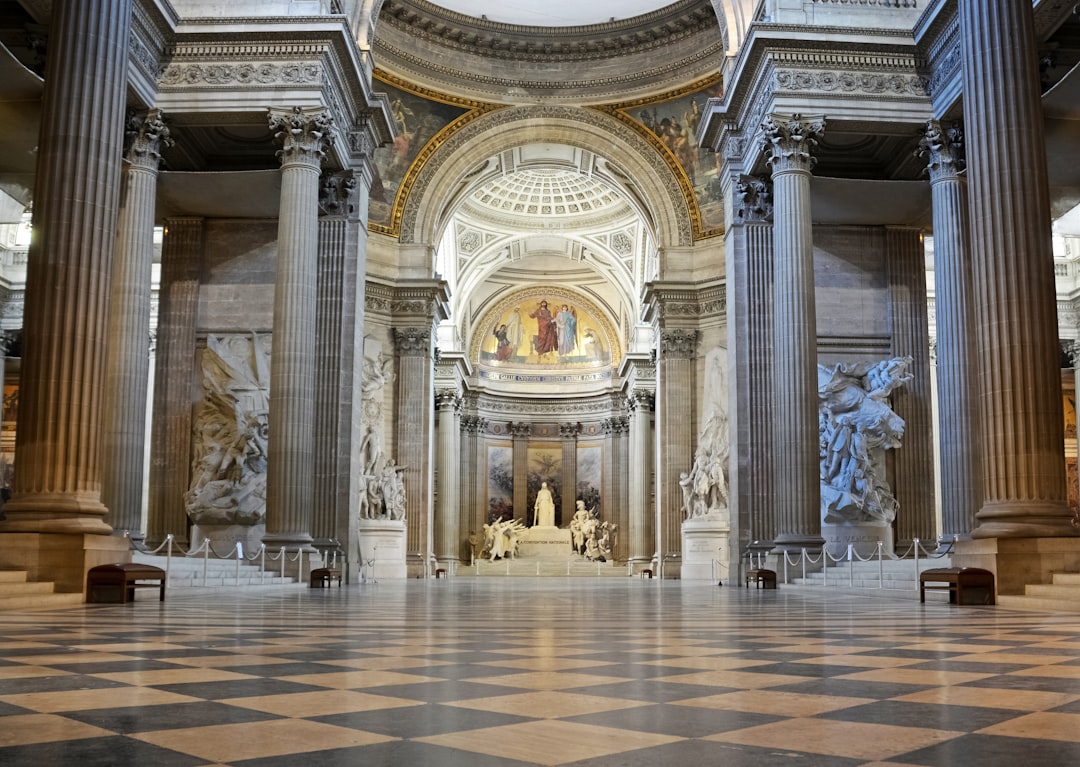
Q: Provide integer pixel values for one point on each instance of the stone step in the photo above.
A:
(39, 601)
(1070, 604)
(12, 576)
(1054, 590)
(543, 569)
(188, 572)
(1066, 578)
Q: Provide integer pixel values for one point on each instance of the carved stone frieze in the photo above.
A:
(540, 407)
(302, 132)
(145, 135)
(412, 342)
(685, 304)
(336, 193)
(944, 150)
(753, 199)
(789, 142)
(242, 73)
(850, 82)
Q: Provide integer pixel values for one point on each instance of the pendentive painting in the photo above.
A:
(500, 483)
(545, 465)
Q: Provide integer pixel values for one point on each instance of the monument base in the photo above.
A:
(705, 549)
(863, 537)
(1016, 562)
(62, 558)
(382, 549)
(545, 543)
(223, 538)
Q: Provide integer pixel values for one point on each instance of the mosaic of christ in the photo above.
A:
(546, 331)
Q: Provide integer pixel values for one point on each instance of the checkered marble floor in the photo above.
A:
(485, 672)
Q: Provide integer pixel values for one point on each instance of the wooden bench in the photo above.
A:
(118, 582)
(966, 585)
(322, 577)
(765, 579)
(646, 573)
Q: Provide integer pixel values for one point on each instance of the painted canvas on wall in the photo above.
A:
(500, 484)
(589, 471)
(545, 465)
(548, 331)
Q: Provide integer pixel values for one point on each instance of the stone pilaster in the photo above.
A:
(676, 396)
(127, 364)
(1013, 276)
(642, 530)
(568, 433)
(796, 488)
(447, 457)
(76, 195)
(751, 343)
(178, 312)
(619, 508)
(303, 133)
(913, 463)
(521, 432)
(470, 465)
(958, 422)
(414, 420)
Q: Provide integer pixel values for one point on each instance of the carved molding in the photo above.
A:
(944, 149)
(689, 304)
(789, 142)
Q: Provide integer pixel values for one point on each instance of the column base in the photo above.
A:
(1024, 519)
(1016, 562)
(794, 544)
(62, 559)
(62, 513)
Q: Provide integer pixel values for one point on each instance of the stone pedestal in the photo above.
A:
(1016, 562)
(61, 558)
(545, 543)
(223, 538)
(863, 537)
(382, 549)
(705, 549)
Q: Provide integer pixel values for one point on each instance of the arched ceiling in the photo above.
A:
(555, 13)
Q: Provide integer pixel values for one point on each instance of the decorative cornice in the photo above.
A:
(561, 408)
(944, 149)
(678, 344)
(145, 136)
(303, 132)
(412, 342)
(686, 302)
(789, 142)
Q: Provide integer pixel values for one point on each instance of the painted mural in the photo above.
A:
(545, 465)
(418, 120)
(589, 475)
(673, 122)
(500, 484)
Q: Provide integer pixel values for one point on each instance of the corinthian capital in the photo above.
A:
(303, 133)
(944, 150)
(678, 344)
(335, 193)
(412, 342)
(144, 136)
(753, 198)
(789, 142)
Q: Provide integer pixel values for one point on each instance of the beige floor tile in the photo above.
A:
(852, 740)
(1044, 725)
(26, 672)
(778, 703)
(74, 657)
(235, 742)
(83, 700)
(986, 697)
(549, 742)
(173, 676)
(23, 729)
(351, 680)
(1012, 657)
(548, 680)
(547, 704)
(1055, 672)
(915, 676)
(322, 703)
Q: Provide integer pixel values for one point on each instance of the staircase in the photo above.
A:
(17, 593)
(1062, 595)
(543, 568)
(896, 578)
(188, 572)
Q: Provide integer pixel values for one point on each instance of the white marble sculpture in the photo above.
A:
(501, 538)
(857, 427)
(228, 482)
(544, 508)
(705, 486)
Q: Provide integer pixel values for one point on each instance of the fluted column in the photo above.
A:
(521, 432)
(414, 418)
(303, 133)
(178, 312)
(958, 422)
(796, 488)
(909, 328)
(620, 474)
(469, 465)
(569, 433)
(1013, 276)
(676, 397)
(751, 289)
(76, 192)
(127, 364)
(448, 451)
(642, 532)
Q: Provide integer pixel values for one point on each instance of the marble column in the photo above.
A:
(1013, 276)
(469, 465)
(521, 432)
(303, 133)
(620, 476)
(676, 396)
(642, 530)
(448, 479)
(796, 488)
(568, 432)
(750, 309)
(913, 463)
(414, 417)
(127, 363)
(65, 321)
(958, 422)
(178, 312)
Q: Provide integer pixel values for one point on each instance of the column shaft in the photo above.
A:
(1012, 266)
(642, 532)
(521, 433)
(58, 472)
(676, 397)
(568, 502)
(447, 521)
(415, 418)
